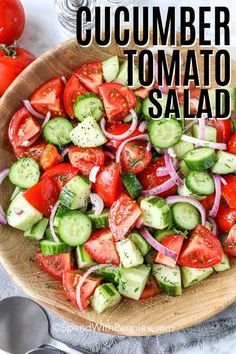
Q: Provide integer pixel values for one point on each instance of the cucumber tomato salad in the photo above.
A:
(120, 204)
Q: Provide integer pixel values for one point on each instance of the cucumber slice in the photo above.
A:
(191, 276)
(210, 133)
(200, 183)
(75, 194)
(88, 105)
(122, 77)
(168, 278)
(111, 275)
(200, 159)
(60, 212)
(185, 216)
(138, 110)
(132, 184)
(133, 281)
(185, 192)
(147, 104)
(24, 173)
(183, 168)
(88, 134)
(57, 131)
(223, 265)
(50, 248)
(110, 68)
(130, 255)
(226, 163)
(37, 231)
(181, 148)
(155, 212)
(105, 296)
(21, 214)
(75, 228)
(83, 258)
(16, 191)
(99, 221)
(160, 235)
(139, 242)
(164, 133)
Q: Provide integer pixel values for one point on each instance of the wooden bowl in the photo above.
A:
(148, 317)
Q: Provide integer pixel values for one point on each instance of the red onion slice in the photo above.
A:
(3, 174)
(162, 171)
(48, 116)
(28, 143)
(213, 212)
(65, 152)
(171, 153)
(190, 139)
(214, 225)
(139, 222)
(223, 181)
(51, 219)
(97, 202)
(110, 155)
(171, 170)
(202, 127)
(64, 79)
(159, 189)
(84, 277)
(157, 245)
(143, 126)
(120, 148)
(28, 106)
(93, 174)
(149, 146)
(3, 218)
(180, 199)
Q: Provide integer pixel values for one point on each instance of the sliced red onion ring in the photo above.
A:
(159, 151)
(64, 152)
(3, 174)
(149, 146)
(162, 171)
(223, 181)
(97, 202)
(171, 170)
(48, 116)
(93, 174)
(214, 225)
(84, 277)
(120, 148)
(110, 155)
(139, 222)
(124, 135)
(190, 139)
(28, 106)
(3, 218)
(213, 212)
(28, 143)
(157, 245)
(159, 189)
(195, 103)
(143, 126)
(51, 220)
(171, 152)
(202, 127)
(180, 199)
(64, 79)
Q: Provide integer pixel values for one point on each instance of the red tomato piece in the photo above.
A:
(72, 91)
(61, 173)
(229, 246)
(149, 179)
(118, 129)
(108, 183)
(101, 247)
(118, 101)
(50, 157)
(34, 151)
(56, 265)
(232, 144)
(86, 158)
(208, 202)
(201, 250)
(123, 214)
(174, 243)
(70, 281)
(151, 289)
(12, 20)
(90, 75)
(49, 97)
(223, 127)
(226, 217)
(135, 157)
(229, 190)
(143, 92)
(43, 195)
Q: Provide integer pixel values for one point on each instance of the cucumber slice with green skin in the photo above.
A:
(88, 105)
(110, 68)
(130, 255)
(21, 214)
(75, 194)
(57, 131)
(147, 104)
(223, 265)
(210, 133)
(181, 148)
(168, 278)
(16, 191)
(24, 173)
(226, 163)
(200, 183)
(192, 276)
(160, 235)
(139, 242)
(75, 228)
(122, 77)
(83, 258)
(183, 168)
(138, 110)
(133, 281)
(60, 212)
(132, 184)
(88, 134)
(48, 234)
(185, 216)
(164, 133)
(99, 221)
(155, 212)
(111, 275)
(185, 192)
(200, 159)
(37, 231)
(50, 248)
(105, 296)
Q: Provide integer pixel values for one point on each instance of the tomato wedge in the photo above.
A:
(123, 214)
(108, 183)
(208, 202)
(232, 144)
(174, 243)
(49, 97)
(56, 265)
(151, 289)
(229, 190)
(229, 246)
(101, 247)
(118, 129)
(34, 151)
(50, 157)
(43, 195)
(201, 250)
(70, 281)
(223, 127)
(118, 101)
(226, 217)
(86, 158)
(61, 173)
(135, 157)
(72, 91)
(90, 75)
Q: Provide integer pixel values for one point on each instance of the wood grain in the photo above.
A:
(159, 315)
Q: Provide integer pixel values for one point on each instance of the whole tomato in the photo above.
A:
(12, 62)
(12, 20)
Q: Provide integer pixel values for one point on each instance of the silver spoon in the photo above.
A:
(24, 326)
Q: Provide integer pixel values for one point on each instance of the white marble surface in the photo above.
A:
(43, 32)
